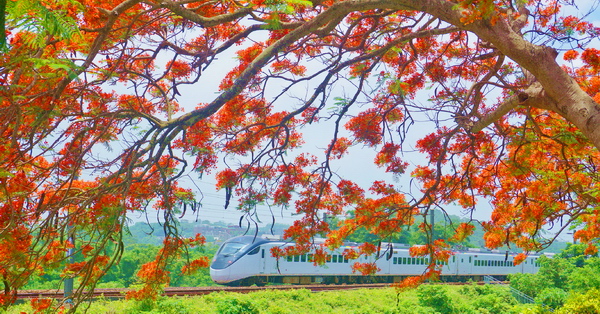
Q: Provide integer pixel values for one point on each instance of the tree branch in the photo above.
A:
(533, 96)
(205, 21)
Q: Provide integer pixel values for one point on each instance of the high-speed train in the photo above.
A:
(247, 260)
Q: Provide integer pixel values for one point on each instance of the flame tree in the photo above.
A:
(106, 105)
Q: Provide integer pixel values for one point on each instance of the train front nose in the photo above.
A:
(220, 270)
(220, 275)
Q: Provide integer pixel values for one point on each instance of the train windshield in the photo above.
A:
(232, 248)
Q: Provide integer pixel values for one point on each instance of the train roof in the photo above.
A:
(251, 239)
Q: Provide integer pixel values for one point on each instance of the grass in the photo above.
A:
(426, 299)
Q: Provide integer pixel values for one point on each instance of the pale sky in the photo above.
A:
(358, 166)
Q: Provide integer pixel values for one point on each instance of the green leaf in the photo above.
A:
(5, 174)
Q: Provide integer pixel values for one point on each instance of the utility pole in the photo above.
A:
(433, 225)
(68, 291)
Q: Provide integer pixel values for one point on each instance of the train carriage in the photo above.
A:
(247, 260)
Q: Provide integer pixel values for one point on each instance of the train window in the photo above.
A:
(328, 258)
(453, 259)
(310, 257)
(345, 259)
(231, 248)
(470, 257)
(296, 258)
(303, 258)
(289, 258)
(426, 261)
(254, 251)
(335, 258)
(262, 254)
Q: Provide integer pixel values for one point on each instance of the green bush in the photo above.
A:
(474, 289)
(552, 298)
(530, 284)
(585, 303)
(236, 306)
(436, 297)
(586, 277)
(491, 303)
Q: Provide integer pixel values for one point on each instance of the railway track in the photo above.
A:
(193, 291)
(196, 291)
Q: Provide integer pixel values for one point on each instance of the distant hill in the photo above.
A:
(217, 232)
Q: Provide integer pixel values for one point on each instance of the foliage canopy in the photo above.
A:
(97, 121)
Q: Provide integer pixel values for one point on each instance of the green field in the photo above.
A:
(425, 299)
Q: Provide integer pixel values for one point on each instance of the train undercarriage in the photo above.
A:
(262, 280)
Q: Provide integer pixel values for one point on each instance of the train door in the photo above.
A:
(268, 264)
(464, 264)
(454, 264)
(263, 259)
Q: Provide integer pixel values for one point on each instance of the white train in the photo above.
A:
(247, 260)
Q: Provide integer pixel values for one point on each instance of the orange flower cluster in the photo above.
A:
(96, 123)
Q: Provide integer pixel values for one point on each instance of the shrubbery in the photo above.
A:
(427, 299)
(566, 277)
